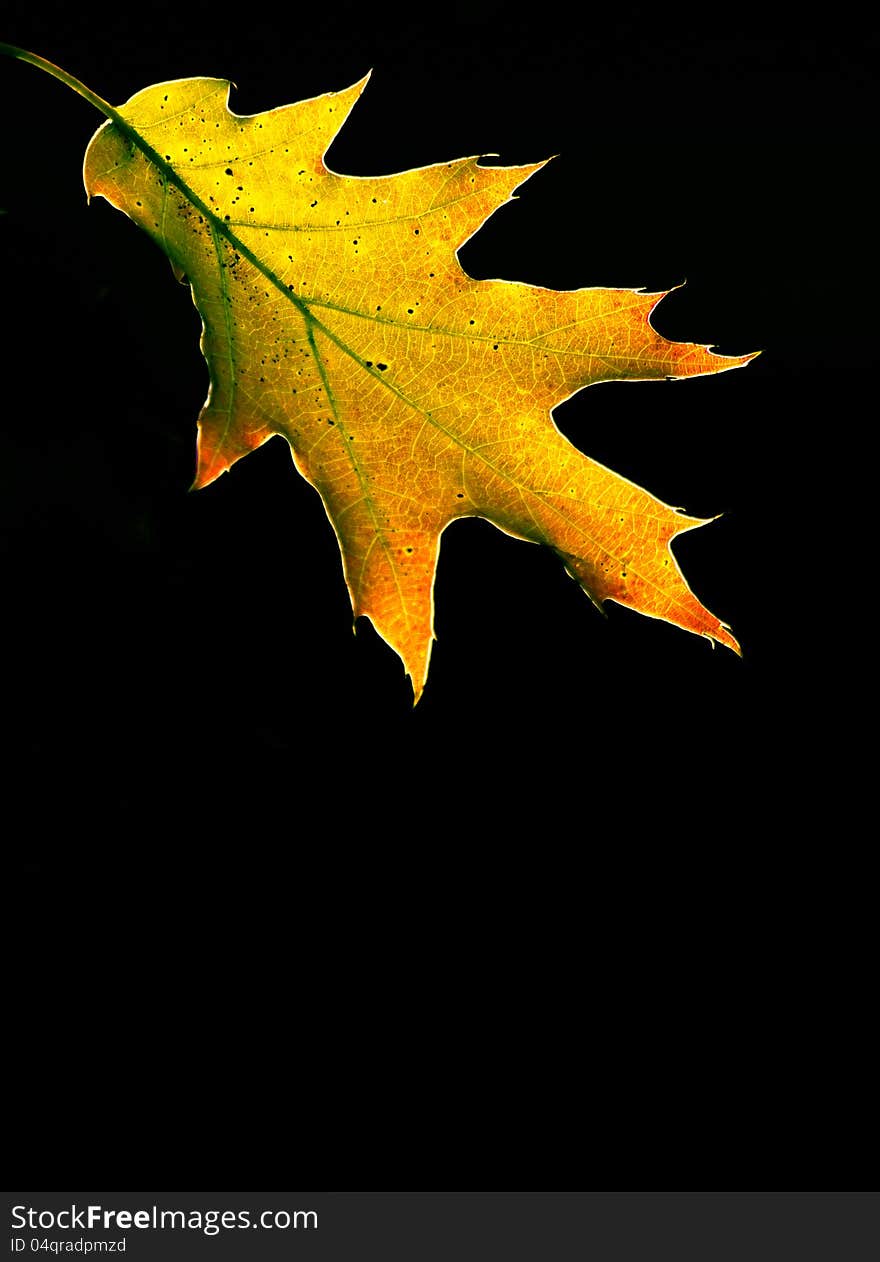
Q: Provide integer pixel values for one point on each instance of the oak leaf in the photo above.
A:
(336, 314)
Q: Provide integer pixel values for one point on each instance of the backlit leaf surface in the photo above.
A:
(336, 314)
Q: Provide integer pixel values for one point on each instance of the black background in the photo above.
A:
(180, 667)
(600, 866)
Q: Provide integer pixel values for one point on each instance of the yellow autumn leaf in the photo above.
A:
(336, 314)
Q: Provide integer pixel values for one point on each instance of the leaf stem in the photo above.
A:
(9, 50)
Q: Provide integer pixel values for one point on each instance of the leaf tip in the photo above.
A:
(725, 636)
(206, 474)
(734, 361)
(534, 167)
